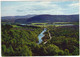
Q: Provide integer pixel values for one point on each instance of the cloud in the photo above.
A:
(72, 8)
(74, 4)
(39, 7)
(20, 10)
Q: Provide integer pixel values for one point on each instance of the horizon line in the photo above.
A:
(41, 14)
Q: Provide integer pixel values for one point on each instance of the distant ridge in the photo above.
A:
(41, 18)
(54, 18)
(13, 18)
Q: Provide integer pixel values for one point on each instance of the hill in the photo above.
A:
(13, 18)
(54, 18)
(41, 18)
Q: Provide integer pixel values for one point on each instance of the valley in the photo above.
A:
(40, 38)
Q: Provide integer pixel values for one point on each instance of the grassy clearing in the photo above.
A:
(39, 23)
(75, 23)
(62, 23)
(47, 25)
(3, 22)
(15, 26)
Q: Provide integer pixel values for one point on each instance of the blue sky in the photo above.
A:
(18, 8)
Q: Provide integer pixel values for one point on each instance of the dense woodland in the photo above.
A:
(23, 41)
(19, 41)
(66, 38)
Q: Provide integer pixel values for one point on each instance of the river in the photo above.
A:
(41, 35)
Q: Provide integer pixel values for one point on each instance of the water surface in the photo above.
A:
(41, 35)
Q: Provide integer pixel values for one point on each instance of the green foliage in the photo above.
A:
(22, 41)
(3, 49)
(23, 51)
(66, 52)
(66, 38)
(76, 51)
(10, 51)
(15, 40)
(54, 50)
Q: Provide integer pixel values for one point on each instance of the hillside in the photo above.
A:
(13, 18)
(54, 18)
(41, 18)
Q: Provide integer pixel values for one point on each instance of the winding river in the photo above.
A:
(41, 35)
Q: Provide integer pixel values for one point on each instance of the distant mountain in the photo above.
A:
(13, 18)
(41, 18)
(54, 18)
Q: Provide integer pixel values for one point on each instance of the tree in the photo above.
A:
(61, 52)
(76, 51)
(66, 52)
(10, 51)
(3, 49)
(54, 50)
(23, 51)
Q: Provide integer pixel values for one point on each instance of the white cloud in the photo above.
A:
(41, 8)
(74, 4)
(24, 8)
(74, 7)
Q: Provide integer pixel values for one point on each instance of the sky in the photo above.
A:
(20, 8)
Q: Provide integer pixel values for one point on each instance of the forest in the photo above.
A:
(66, 38)
(23, 41)
(18, 41)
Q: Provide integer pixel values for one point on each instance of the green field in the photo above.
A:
(75, 23)
(38, 23)
(15, 26)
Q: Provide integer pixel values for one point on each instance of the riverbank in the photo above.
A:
(47, 37)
